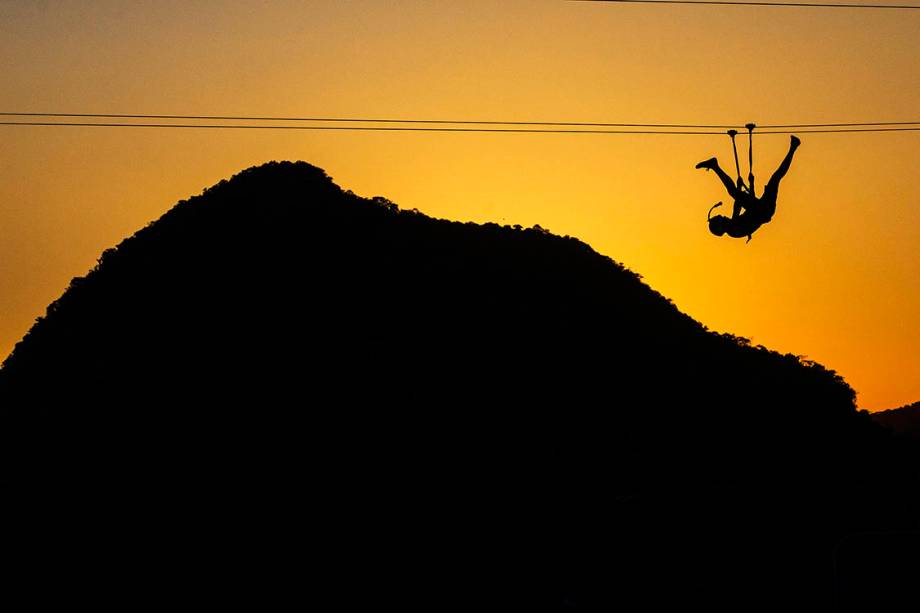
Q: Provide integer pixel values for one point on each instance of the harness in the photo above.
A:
(749, 188)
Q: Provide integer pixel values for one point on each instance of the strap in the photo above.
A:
(750, 128)
(733, 134)
(716, 205)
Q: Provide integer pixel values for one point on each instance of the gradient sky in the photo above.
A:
(834, 277)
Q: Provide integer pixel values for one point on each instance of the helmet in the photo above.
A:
(718, 225)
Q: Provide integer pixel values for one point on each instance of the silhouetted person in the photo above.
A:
(749, 212)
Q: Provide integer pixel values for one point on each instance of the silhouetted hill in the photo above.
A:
(280, 390)
(904, 420)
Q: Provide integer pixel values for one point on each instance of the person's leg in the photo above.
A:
(771, 191)
(713, 164)
(773, 183)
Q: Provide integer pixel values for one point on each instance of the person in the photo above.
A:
(749, 211)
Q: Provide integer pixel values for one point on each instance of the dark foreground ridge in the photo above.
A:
(280, 390)
(904, 420)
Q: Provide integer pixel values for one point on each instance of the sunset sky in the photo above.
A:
(835, 277)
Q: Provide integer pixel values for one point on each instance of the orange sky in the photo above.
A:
(834, 277)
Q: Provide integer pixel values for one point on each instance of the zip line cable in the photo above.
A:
(455, 121)
(440, 129)
(374, 120)
(840, 130)
(840, 125)
(777, 4)
(351, 128)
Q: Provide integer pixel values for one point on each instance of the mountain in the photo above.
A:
(283, 391)
(904, 420)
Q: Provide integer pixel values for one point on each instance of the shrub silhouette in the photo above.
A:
(290, 391)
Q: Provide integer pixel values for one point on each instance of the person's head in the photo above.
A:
(718, 225)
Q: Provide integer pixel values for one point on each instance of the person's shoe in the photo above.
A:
(795, 141)
(708, 164)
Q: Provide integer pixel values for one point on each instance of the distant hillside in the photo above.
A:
(904, 420)
(284, 390)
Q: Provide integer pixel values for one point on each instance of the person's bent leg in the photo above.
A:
(713, 164)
